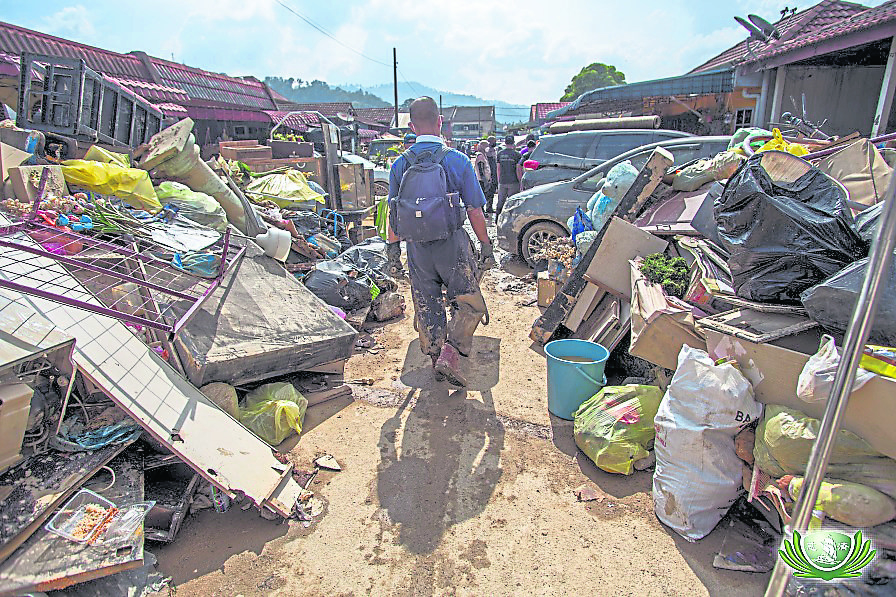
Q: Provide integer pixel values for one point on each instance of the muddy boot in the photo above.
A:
(448, 366)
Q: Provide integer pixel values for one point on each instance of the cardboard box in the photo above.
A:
(26, 190)
(547, 289)
(622, 242)
(774, 370)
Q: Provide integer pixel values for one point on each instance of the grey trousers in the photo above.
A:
(445, 270)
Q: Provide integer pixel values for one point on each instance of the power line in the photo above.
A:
(414, 89)
(328, 34)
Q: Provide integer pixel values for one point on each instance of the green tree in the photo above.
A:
(593, 76)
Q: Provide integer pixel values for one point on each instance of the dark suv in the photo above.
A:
(562, 157)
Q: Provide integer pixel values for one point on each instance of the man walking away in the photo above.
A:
(483, 170)
(432, 190)
(508, 174)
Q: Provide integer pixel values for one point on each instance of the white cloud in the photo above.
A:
(72, 21)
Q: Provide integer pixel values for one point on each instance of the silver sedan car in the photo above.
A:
(538, 215)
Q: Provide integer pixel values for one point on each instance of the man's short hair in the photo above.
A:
(424, 110)
(508, 139)
(531, 144)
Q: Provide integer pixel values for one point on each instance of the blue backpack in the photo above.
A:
(424, 210)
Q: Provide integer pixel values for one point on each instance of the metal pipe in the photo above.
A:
(833, 150)
(856, 336)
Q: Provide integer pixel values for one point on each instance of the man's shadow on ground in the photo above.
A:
(440, 454)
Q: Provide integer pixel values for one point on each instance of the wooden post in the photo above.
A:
(778, 95)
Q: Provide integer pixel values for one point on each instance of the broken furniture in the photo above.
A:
(136, 284)
(167, 406)
(64, 96)
(48, 562)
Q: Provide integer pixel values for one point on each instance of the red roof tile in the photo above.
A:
(540, 110)
(179, 83)
(806, 24)
(328, 109)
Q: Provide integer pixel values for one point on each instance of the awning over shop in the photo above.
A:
(718, 81)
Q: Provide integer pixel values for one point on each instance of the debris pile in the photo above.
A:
(745, 311)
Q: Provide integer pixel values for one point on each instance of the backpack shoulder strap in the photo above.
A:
(411, 158)
(440, 155)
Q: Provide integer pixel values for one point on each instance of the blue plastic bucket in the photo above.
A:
(575, 374)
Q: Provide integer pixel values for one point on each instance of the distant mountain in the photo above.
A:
(306, 92)
(505, 112)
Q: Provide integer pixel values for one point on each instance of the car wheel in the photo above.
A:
(536, 236)
(381, 189)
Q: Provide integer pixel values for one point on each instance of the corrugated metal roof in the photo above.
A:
(825, 20)
(719, 81)
(375, 115)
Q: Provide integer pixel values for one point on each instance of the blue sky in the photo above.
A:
(521, 52)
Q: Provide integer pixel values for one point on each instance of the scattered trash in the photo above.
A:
(588, 493)
(327, 462)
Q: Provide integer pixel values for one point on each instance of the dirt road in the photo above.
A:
(448, 492)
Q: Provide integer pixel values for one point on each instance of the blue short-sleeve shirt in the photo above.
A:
(458, 170)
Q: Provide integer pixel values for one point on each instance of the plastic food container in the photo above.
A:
(117, 526)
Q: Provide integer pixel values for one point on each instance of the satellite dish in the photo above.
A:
(767, 28)
(345, 117)
(755, 32)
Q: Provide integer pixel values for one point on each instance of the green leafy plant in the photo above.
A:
(670, 272)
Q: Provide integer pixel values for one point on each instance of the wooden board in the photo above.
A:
(38, 486)
(26, 189)
(166, 144)
(48, 562)
(584, 306)
(10, 157)
(165, 404)
(261, 323)
(622, 243)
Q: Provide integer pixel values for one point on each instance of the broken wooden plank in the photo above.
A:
(329, 394)
(49, 562)
(33, 489)
(165, 404)
(623, 242)
(166, 144)
(584, 305)
(25, 182)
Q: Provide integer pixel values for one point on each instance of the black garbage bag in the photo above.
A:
(346, 281)
(831, 303)
(338, 284)
(784, 237)
(866, 222)
(307, 223)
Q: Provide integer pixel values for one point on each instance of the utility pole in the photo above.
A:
(395, 81)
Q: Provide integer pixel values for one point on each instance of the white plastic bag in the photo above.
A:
(818, 374)
(698, 474)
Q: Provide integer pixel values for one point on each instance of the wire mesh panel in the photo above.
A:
(137, 280)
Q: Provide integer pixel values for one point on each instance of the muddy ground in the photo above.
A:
(449, 492)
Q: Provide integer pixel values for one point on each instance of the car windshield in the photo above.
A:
(680, 153)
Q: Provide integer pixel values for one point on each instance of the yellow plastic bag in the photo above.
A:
(274, 411)
(128, 184)
(880, 360)
(778, 143)
(615, 427)
(288, 189)
(99, 154)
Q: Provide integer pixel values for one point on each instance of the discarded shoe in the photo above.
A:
(447, 366)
